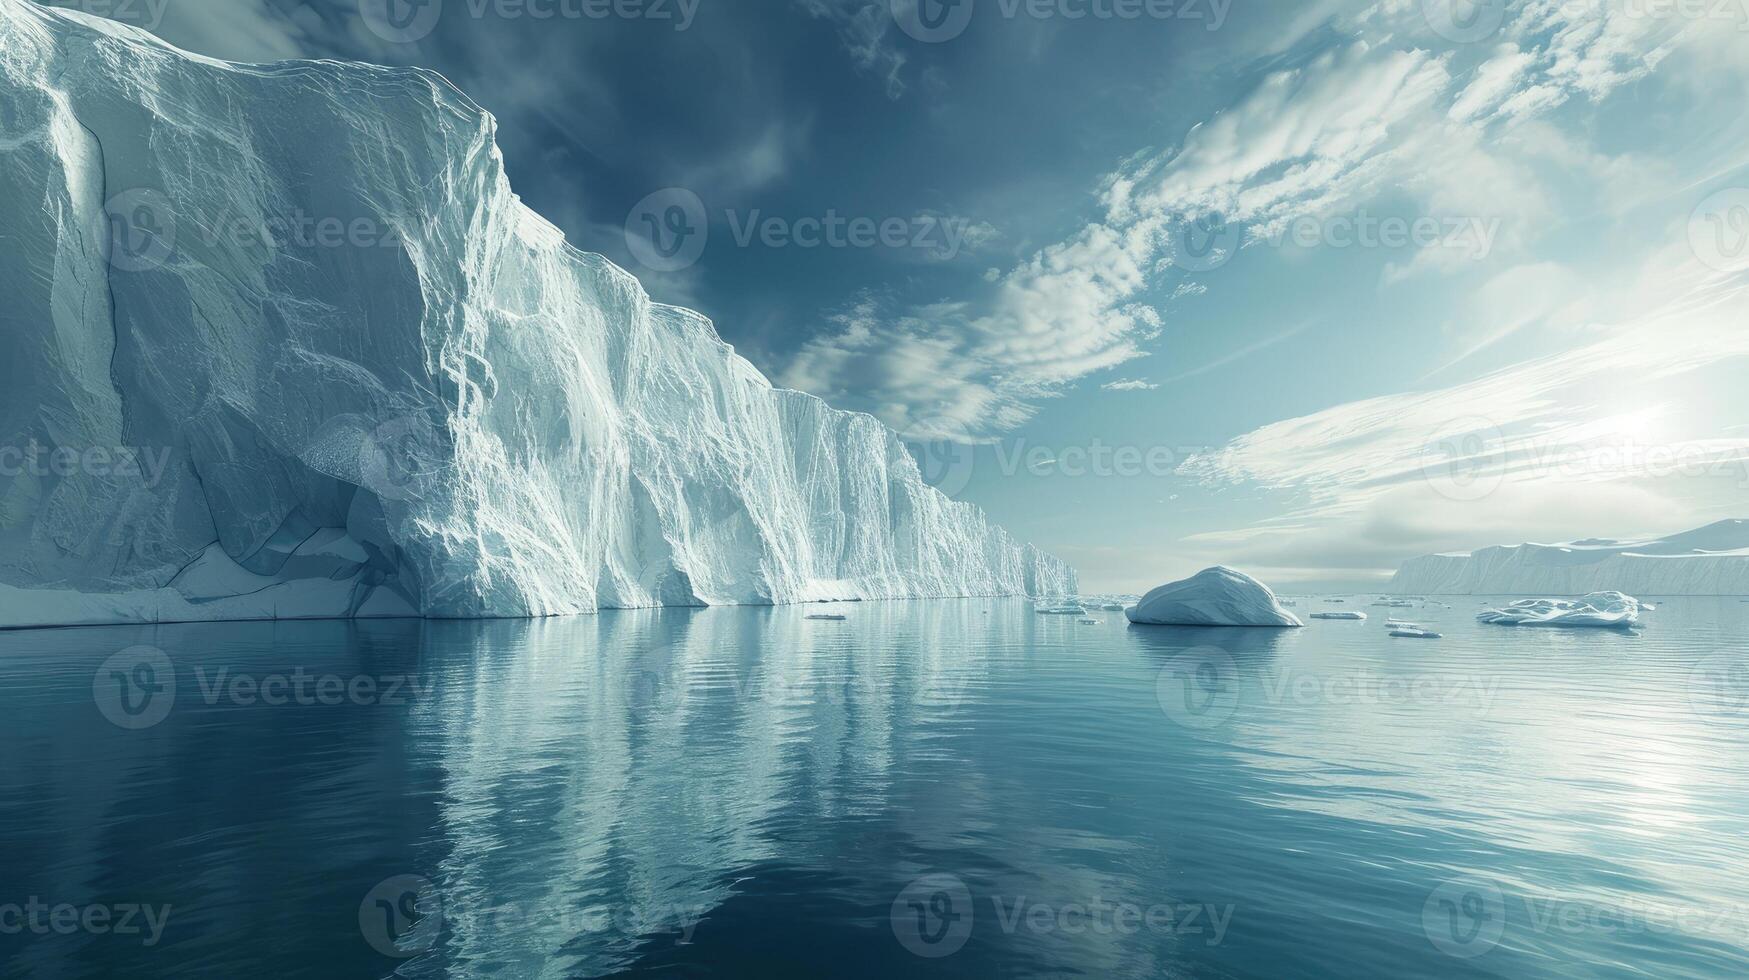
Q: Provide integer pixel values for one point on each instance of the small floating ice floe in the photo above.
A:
(833, 617)
(1060, 610)
(1398, 624)
(1598, 610)
(1344, 614)
(1217, 596)
(1395, 603)
(1089, 622)
(1416, 634)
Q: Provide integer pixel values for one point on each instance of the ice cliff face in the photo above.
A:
(1713, 560)
(279, 341)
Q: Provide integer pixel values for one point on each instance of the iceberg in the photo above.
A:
(1712, 560)
(1607, 610)
(281, 342)
(1339, 615)
(1216, 596)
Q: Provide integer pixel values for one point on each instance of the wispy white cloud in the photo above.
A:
(1077, 307)
(1400, 110)
(866, 30)
(1587, 434)
(1065, 313)
(1243, 352)
(1129, 384)
(235, 30)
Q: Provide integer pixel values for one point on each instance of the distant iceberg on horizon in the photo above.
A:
(1712, 560)
(218, 410)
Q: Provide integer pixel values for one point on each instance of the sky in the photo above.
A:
(1307, 288)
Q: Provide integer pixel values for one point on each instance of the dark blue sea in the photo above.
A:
(943, 788)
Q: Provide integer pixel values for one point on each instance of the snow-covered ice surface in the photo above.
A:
(1216, 596)
(1713, 560)
(279, 341)
(1609, 610)
(1339, 615)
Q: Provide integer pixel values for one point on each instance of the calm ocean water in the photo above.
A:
(959, 788)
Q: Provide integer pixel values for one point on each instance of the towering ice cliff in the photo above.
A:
(279, 341)
(1713, 560)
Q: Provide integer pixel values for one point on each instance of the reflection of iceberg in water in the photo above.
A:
(604, 778)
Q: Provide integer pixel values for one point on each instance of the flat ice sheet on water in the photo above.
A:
(1606, 610)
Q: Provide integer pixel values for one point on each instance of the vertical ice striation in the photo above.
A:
(280, 341)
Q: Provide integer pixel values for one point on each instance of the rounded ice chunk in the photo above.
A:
(1218, 596)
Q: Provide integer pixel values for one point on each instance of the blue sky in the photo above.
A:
(1305, 287)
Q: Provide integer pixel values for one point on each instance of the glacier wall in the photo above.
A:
(279, 341)
(1713, 560)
